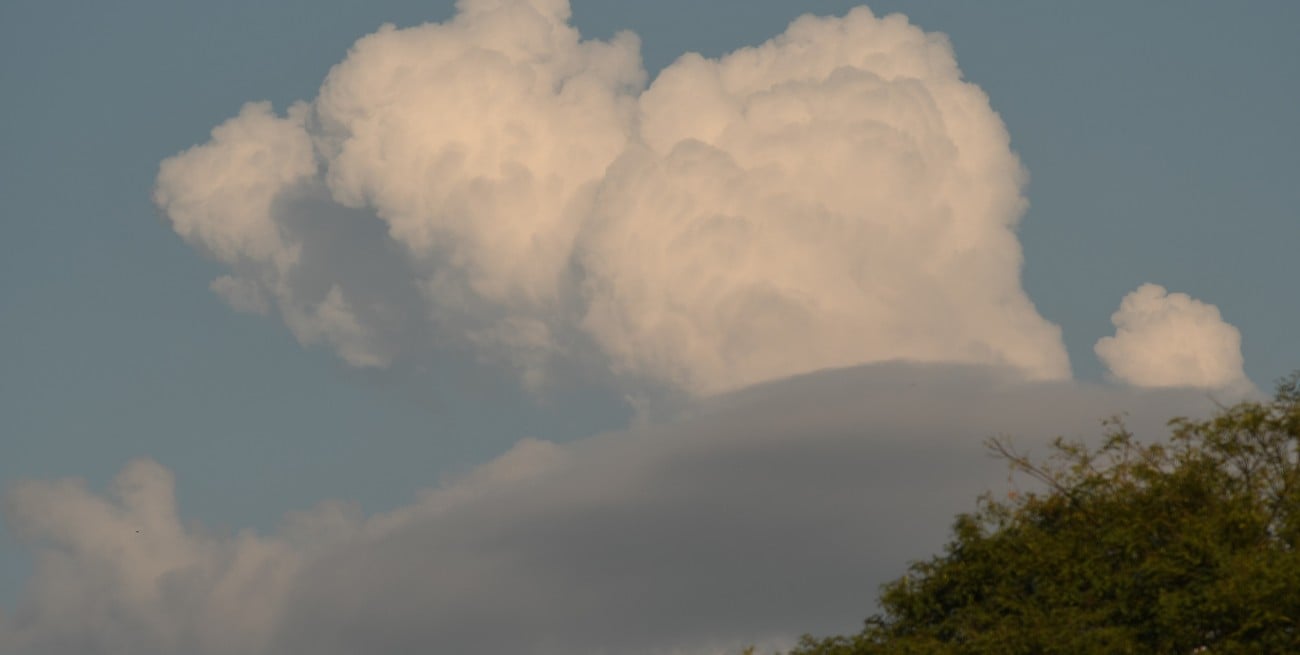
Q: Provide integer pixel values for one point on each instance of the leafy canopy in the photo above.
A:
(1187, 546)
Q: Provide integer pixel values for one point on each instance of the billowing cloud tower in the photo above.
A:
(835, 196)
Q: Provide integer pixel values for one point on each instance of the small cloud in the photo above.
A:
(1167, 339)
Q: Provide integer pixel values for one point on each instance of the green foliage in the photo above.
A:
(1187, 546)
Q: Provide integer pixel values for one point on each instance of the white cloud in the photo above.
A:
(134, 578)
(219, 196)
(226, 197)
(766, 514)
(838, 195)
(481, 140)
(1171, 339)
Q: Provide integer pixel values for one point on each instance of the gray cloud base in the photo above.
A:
(764, 514)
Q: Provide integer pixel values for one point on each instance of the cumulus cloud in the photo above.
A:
(837, 195)
(136, 580)
(762, 515)
(498, 185)
(1167, 339)
(833, 196)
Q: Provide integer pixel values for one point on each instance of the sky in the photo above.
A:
(529, 320)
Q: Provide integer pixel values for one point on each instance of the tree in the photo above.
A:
(1186, 546)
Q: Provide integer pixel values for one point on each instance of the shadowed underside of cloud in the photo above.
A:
(837, 195)
(766, 513)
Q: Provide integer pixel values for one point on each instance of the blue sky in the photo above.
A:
(1160, 142)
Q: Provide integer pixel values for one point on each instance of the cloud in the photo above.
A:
(762, 515)
(1171, 339)
(134, 578)
(836, 195)
(835, 204)
(495, 183)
